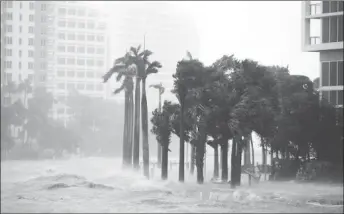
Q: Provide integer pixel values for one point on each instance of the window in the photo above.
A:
(340, 28)
(326, 95)
(90, 87)
(90, 25)
(80, 86)
(100, 50)
(20, 5)
(61, 85)
(71, 12)
(70, 86)
(333, 29)
(70, 73)
(42, 77)
(43, 7)
(43, 19)
(62, 11)
(81, 25)
(90, 62)
(81, 37)
(333, 73)
(61, 61)
(43, 54)
(90, 74)
(30, 54)
(326, 7)
(92, 13)
(99, 87)
(30, 29)
(8, 28)
(333, 97)
(100, 63)
(71, 49)
(340, 72)
(340, 5)
(43, 65)
(340, 97)
(20, 17)
(30, 65)
(61, 48)
(62, 36)
(8, 40)
(8, 52)
(90, 50)
(62, 23)
(9, 4)
(100, 38)
(71, 36)
(19, 65)
(325, 30)
(81, 49)
(8, 64)
(8, 77)
(30, 77)
(20, 53)
(325, 73)
(19, 41)
(60, 73)
(31, 18)
(81, 74)
(20, 29)
(80, 61)
(333, 6)
(31, 41)
(9, 16)
(81, 12)
(71, 24)
(70, 61)
(31, 6)
(90, 37)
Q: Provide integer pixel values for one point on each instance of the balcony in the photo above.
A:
(314, 9)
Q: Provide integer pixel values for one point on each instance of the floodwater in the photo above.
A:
(100, 185)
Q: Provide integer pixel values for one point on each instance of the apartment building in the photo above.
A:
(62, 45)
(327, 17)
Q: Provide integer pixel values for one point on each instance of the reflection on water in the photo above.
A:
(100, 185)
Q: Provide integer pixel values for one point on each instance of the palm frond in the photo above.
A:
(114, 69)
(188, 54)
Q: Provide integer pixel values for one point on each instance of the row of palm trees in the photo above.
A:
(134, 65)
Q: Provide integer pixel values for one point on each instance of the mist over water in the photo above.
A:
(101, 185)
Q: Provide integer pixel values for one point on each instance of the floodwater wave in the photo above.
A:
(101, 185)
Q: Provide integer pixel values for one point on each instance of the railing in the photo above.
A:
(314, 40)
(314, 9)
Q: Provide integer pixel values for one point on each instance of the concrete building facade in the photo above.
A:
(328, 42)
(62, 45)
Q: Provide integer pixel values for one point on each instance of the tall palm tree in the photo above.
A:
(161, 90)
(122, 67)
(144, 69)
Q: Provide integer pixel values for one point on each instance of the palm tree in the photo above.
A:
(122, 67)
(161, 90)
(144, 69)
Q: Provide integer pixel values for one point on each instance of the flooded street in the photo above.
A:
(99, 185)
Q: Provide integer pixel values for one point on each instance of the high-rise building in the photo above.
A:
(62, 45)
(322, 31)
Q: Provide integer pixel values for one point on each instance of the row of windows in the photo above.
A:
(8, 52)
(9, 4)
(9, 77)
(81, 86)
(81, 37)
(79, 74)
(332, 29)
(333, 97)
(9, 41)
(73, 61)
(79, 12)
(80, 49)
(332, 73)
(81, 25)
(332, 6)
(9, 16)
(8, 64)
(9, 29)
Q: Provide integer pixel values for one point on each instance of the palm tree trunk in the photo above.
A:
(130, 129)
(159, 148)
(145, 143)
(181, 144)
(125, 131)
(164, 162)
(200, 149)
(193, 158)
(216, 161)
(233, 163)
(224, 160)
(253, 163)
(136, 157)
(238, 164)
